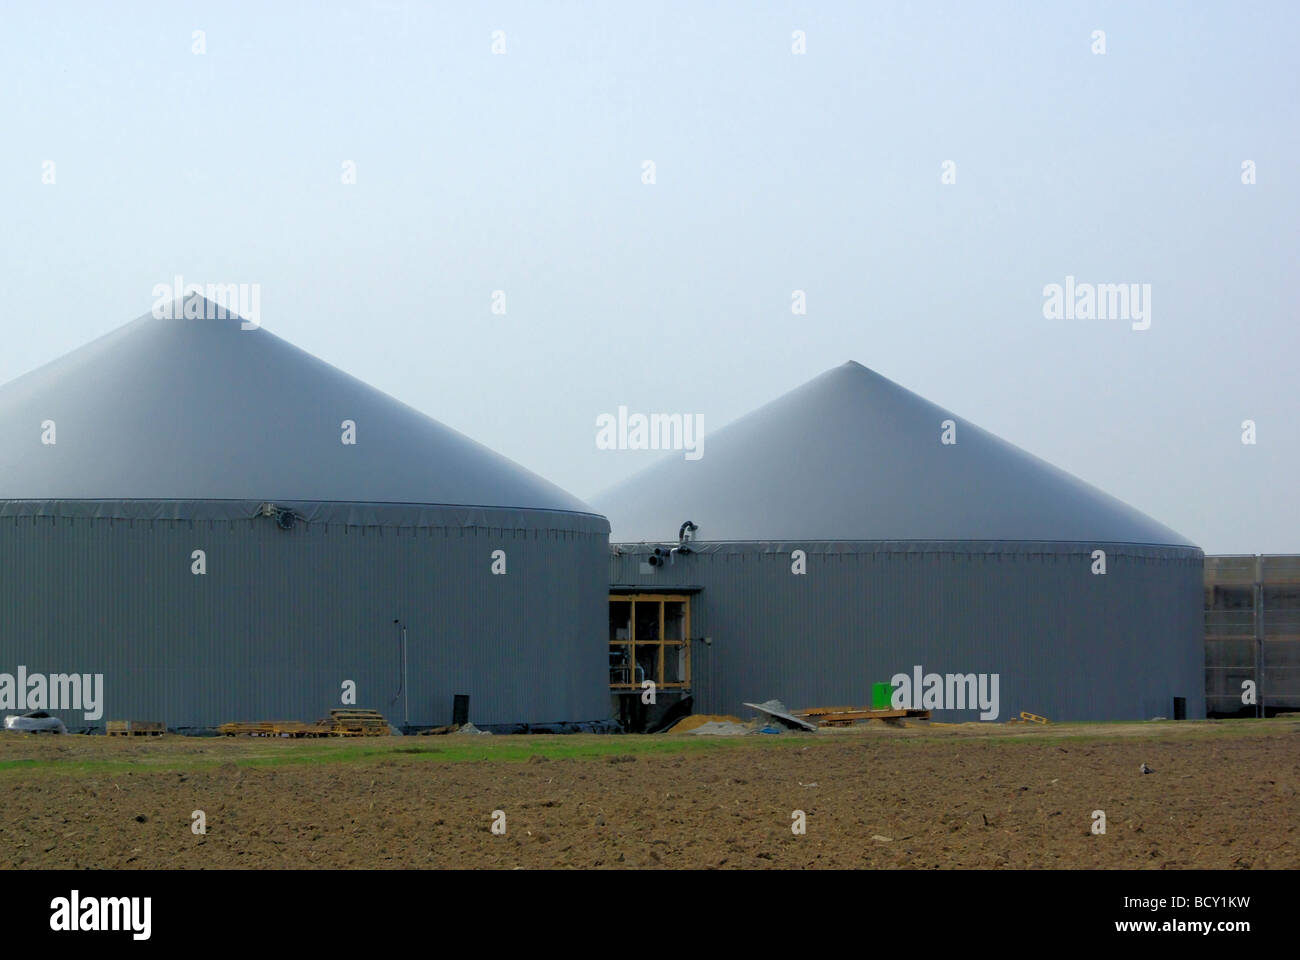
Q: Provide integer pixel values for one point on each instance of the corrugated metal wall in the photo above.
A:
(1066, 643)
(282, 618)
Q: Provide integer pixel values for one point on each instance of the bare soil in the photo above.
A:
(1222, 795)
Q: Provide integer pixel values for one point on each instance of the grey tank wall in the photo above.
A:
(1065, 643)
(282, 618)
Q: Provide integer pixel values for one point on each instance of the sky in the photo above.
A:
(212, 142)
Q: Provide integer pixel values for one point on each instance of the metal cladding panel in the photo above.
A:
(282, 618)
(1065, 643)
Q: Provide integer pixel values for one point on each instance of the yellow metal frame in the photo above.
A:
(631, 643)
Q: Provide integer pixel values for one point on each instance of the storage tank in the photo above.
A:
(852, 533)
(221, 527)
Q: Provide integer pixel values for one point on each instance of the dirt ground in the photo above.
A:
(1222, 795)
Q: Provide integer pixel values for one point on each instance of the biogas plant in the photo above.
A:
(204, 524)
(227, 528)
(851, 529)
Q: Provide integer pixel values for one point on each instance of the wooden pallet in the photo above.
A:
(847, 716)
(135, 728)
(1027, 717)
(356, 723)
(296, 729)
(340, 723)
(274, 728)
(453, 727)
(245, 729)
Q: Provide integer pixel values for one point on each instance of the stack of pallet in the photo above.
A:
(135, 728)
(340, 723)
(356, 723)
(272, 728)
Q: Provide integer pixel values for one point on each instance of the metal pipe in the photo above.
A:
(1259, 635)
(401, 681)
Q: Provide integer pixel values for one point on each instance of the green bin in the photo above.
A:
(882, 696)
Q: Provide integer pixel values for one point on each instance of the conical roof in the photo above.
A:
(168, 409)
(852, 456)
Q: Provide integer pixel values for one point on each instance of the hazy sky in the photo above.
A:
(775, 172)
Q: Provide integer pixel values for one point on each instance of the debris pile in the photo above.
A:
(716, 729)
(773, 717)
(695, 720)
(775, 710)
